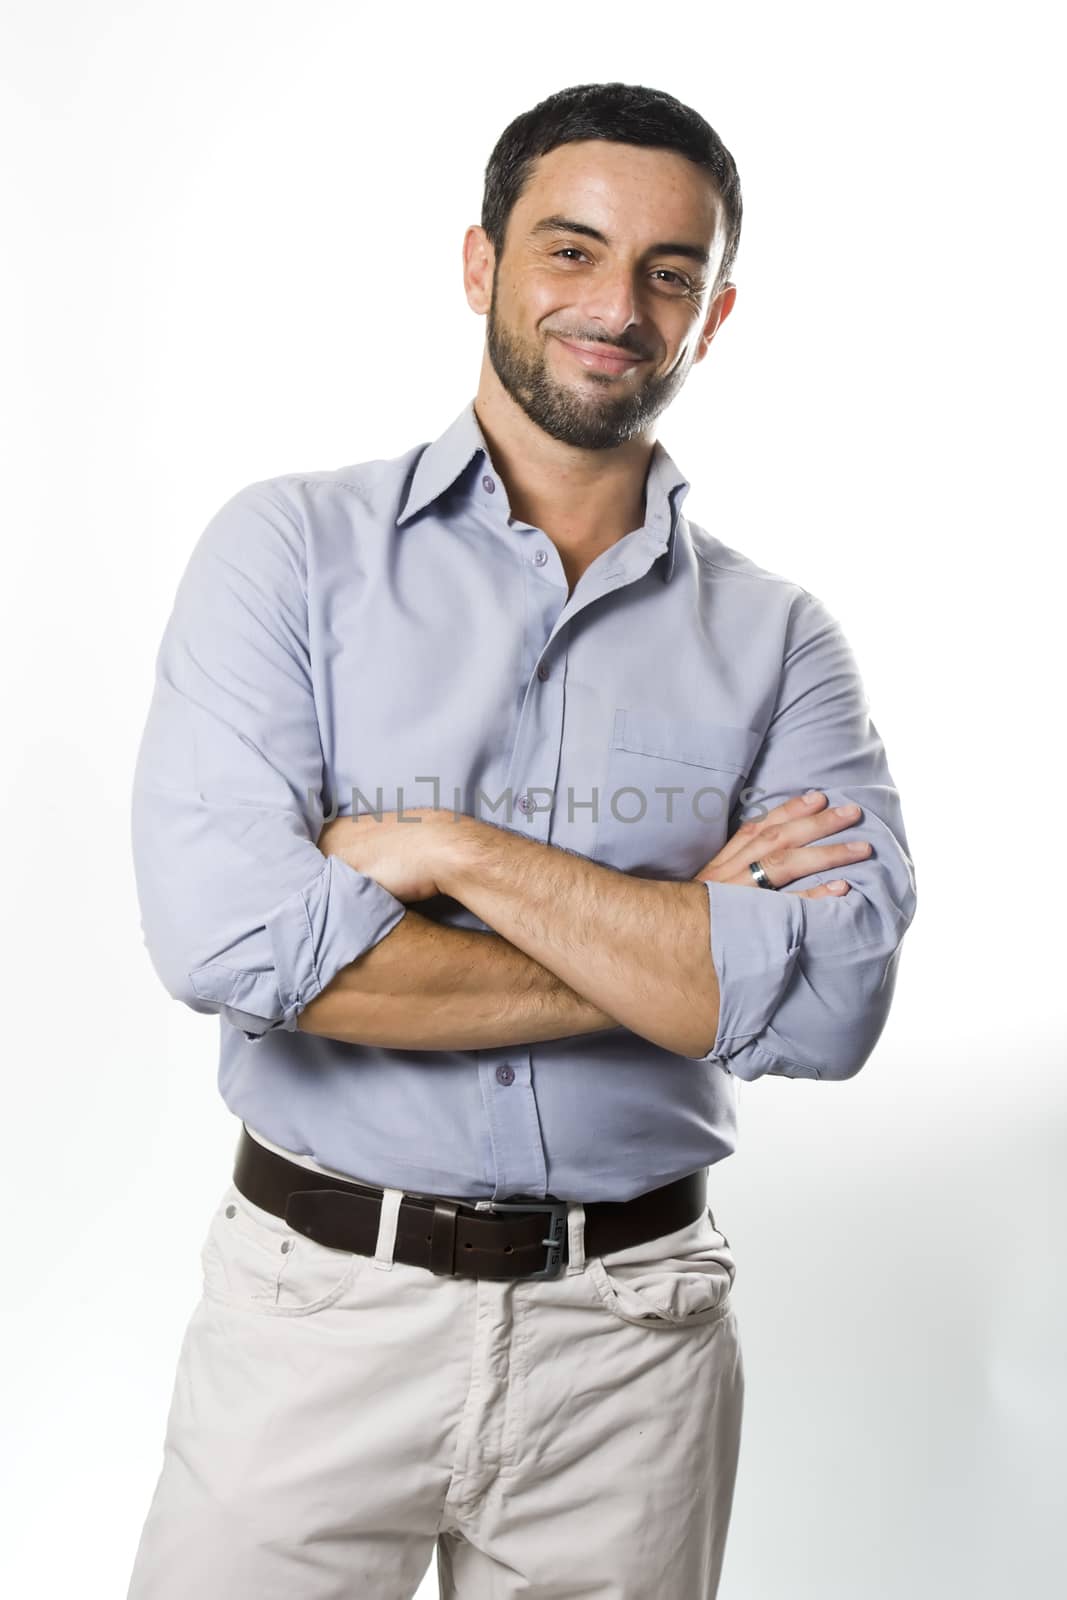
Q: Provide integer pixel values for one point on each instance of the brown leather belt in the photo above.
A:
(524, 1237)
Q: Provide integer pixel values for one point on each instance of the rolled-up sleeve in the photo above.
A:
(805, 986)
(242, 914)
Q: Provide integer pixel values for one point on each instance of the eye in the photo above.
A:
(678, 281)
(682, 283)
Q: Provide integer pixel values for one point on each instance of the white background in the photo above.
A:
(233, 250)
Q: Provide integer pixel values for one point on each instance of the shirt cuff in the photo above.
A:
(756, 935)
(313, 934)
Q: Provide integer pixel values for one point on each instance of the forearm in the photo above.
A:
(638, 948)
(429, 987)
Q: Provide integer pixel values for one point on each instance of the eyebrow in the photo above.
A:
(669, 247)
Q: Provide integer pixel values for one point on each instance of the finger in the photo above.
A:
(741, 843)
(823, 891)
(774, 839)
(784, 866)
(781, 823)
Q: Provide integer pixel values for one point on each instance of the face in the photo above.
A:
(600, 303)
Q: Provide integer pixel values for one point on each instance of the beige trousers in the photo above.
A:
(337, 1419)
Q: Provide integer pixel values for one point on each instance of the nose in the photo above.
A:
(609, 307)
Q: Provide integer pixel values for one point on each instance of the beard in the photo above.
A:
(600, 417)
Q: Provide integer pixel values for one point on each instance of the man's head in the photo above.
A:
(610, 220)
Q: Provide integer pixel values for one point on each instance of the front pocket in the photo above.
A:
(253, 1259)
(670, 786)
(681, 1280)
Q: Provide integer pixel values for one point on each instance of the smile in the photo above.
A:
(600, 358)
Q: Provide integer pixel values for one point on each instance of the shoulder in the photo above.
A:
(302, 509)
(376, 486)
(750, 601)
(725, 564)
(752, 590)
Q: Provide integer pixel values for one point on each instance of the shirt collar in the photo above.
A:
(442, 462)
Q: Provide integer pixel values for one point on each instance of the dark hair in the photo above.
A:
(623, 112)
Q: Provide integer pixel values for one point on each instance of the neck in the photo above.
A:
(584, 500)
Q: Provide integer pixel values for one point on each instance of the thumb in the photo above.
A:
(823, 891)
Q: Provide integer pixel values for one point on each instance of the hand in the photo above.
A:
(779, 841)
(403, 853)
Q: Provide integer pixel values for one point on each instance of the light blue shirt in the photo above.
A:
(387, 635)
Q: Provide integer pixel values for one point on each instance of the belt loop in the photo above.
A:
(575, 1237)
(383, 1250)
(443, 1236)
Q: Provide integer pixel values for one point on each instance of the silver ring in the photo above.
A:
(760, 876)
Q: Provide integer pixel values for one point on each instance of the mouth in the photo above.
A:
(601, 357)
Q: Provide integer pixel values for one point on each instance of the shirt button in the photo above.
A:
(488, 485)
(524, 802)
(540, 558)
(542, 672)
(505, 1074)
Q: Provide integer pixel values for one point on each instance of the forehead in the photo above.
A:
(624, 190)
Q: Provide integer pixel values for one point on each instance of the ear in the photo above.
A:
(479, 264)
(718, 311)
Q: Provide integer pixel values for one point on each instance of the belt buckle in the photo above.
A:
(557, 1232)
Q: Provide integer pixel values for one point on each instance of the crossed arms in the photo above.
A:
(576, 946)
(248, 912)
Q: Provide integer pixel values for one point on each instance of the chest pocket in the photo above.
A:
(670, 785)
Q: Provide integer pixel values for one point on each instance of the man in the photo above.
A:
(465, 1291)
